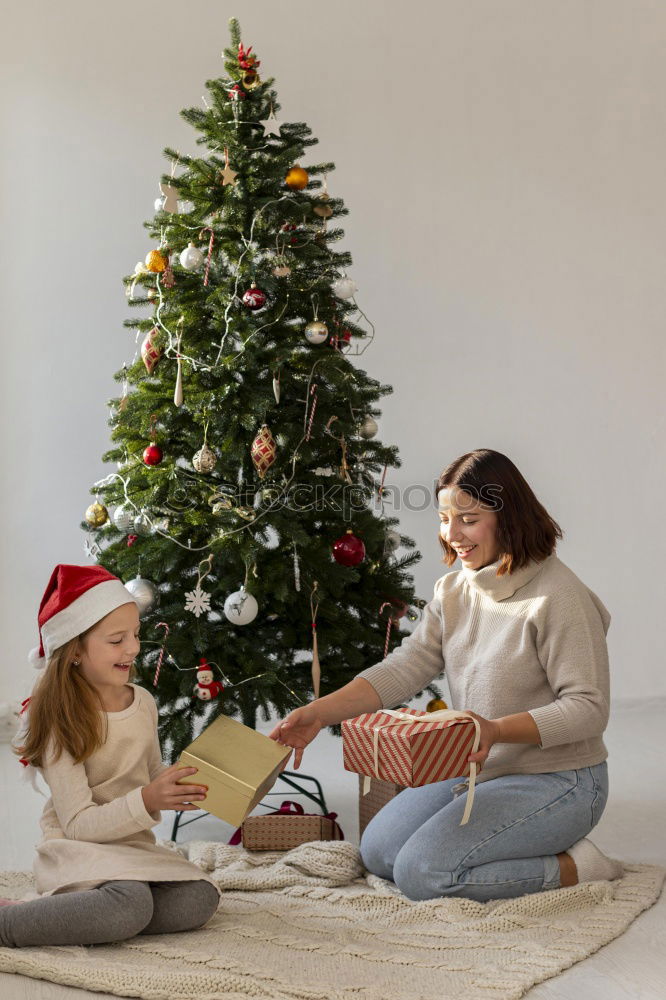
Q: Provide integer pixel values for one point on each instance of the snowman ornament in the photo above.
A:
(206, 688)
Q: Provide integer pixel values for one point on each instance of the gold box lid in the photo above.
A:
(246, 756)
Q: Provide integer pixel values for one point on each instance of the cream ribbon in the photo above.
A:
(444, 715)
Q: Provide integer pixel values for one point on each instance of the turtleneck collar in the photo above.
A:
(501, 587)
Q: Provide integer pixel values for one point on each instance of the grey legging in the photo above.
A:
(110, 912)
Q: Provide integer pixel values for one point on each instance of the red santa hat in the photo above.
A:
(75, 599)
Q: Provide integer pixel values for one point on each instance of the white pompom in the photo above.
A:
(35, 660)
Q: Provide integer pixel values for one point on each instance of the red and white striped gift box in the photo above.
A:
(389, 746)
(412, 748)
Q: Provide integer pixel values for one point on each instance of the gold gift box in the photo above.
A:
(238, 764)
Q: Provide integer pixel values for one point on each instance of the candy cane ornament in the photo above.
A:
(207, 229)
(389, 625)
(161, 656)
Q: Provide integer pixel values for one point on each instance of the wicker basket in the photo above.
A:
(369, 805)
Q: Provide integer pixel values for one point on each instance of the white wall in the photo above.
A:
(503, 163)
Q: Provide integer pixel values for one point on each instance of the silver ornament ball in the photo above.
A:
(191, 258)
(141, 524)
(369, 427)
(123, 518)
(392, 541)
(144, 593)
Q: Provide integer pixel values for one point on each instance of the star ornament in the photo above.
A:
(229, 176)
(271, 125)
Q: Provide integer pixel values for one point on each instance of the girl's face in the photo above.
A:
(108, 650)
(468, 528)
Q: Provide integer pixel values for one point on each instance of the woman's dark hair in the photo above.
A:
(525, 529)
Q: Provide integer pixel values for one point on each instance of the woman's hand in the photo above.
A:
(297, 730)
(165, 792)
(489, 736)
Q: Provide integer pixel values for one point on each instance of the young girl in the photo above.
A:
(92, 733)
(523, 643)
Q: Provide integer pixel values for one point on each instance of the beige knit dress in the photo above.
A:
(95, 825)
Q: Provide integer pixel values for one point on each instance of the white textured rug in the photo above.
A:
(307, 924)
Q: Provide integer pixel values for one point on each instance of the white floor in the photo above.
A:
(632, 828)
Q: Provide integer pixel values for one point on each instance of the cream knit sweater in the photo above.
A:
(95, 826)
(533, 641)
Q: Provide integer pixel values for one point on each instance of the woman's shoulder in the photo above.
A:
(555, 575)
(447, 582)
(562, 590)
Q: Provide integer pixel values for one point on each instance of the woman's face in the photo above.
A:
(468, 528)
(108, 650)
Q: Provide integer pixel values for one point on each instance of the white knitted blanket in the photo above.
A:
(307, 924)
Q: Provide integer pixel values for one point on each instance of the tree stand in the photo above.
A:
(289, 777)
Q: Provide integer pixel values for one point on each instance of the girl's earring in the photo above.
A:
(77, 663)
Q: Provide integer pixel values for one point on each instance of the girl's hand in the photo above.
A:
(165, 792)
(297, 730)
(489, 736)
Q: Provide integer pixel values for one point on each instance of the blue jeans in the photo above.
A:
(518, 824)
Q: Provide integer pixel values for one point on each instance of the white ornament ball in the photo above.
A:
(144, 593)
(240, 607)
(344, 287)
(191, 258)
(123, 518)
(316, 332)
(392, 541)
(369, 427)
(204, 460)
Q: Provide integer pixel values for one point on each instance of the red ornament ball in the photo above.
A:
(254, 298)
(349, 549)
(152, 455)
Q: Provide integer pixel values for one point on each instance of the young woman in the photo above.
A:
(92, 733)
(523, 644)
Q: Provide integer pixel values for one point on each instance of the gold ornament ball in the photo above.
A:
(97, 515)
(436, 705)
(204, 460)
(322, 208)
(156, 262)
(251, 79)
(297, 178)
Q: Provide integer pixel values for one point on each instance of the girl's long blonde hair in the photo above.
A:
(65, 711)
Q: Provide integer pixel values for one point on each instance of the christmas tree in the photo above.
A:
(249, 503)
